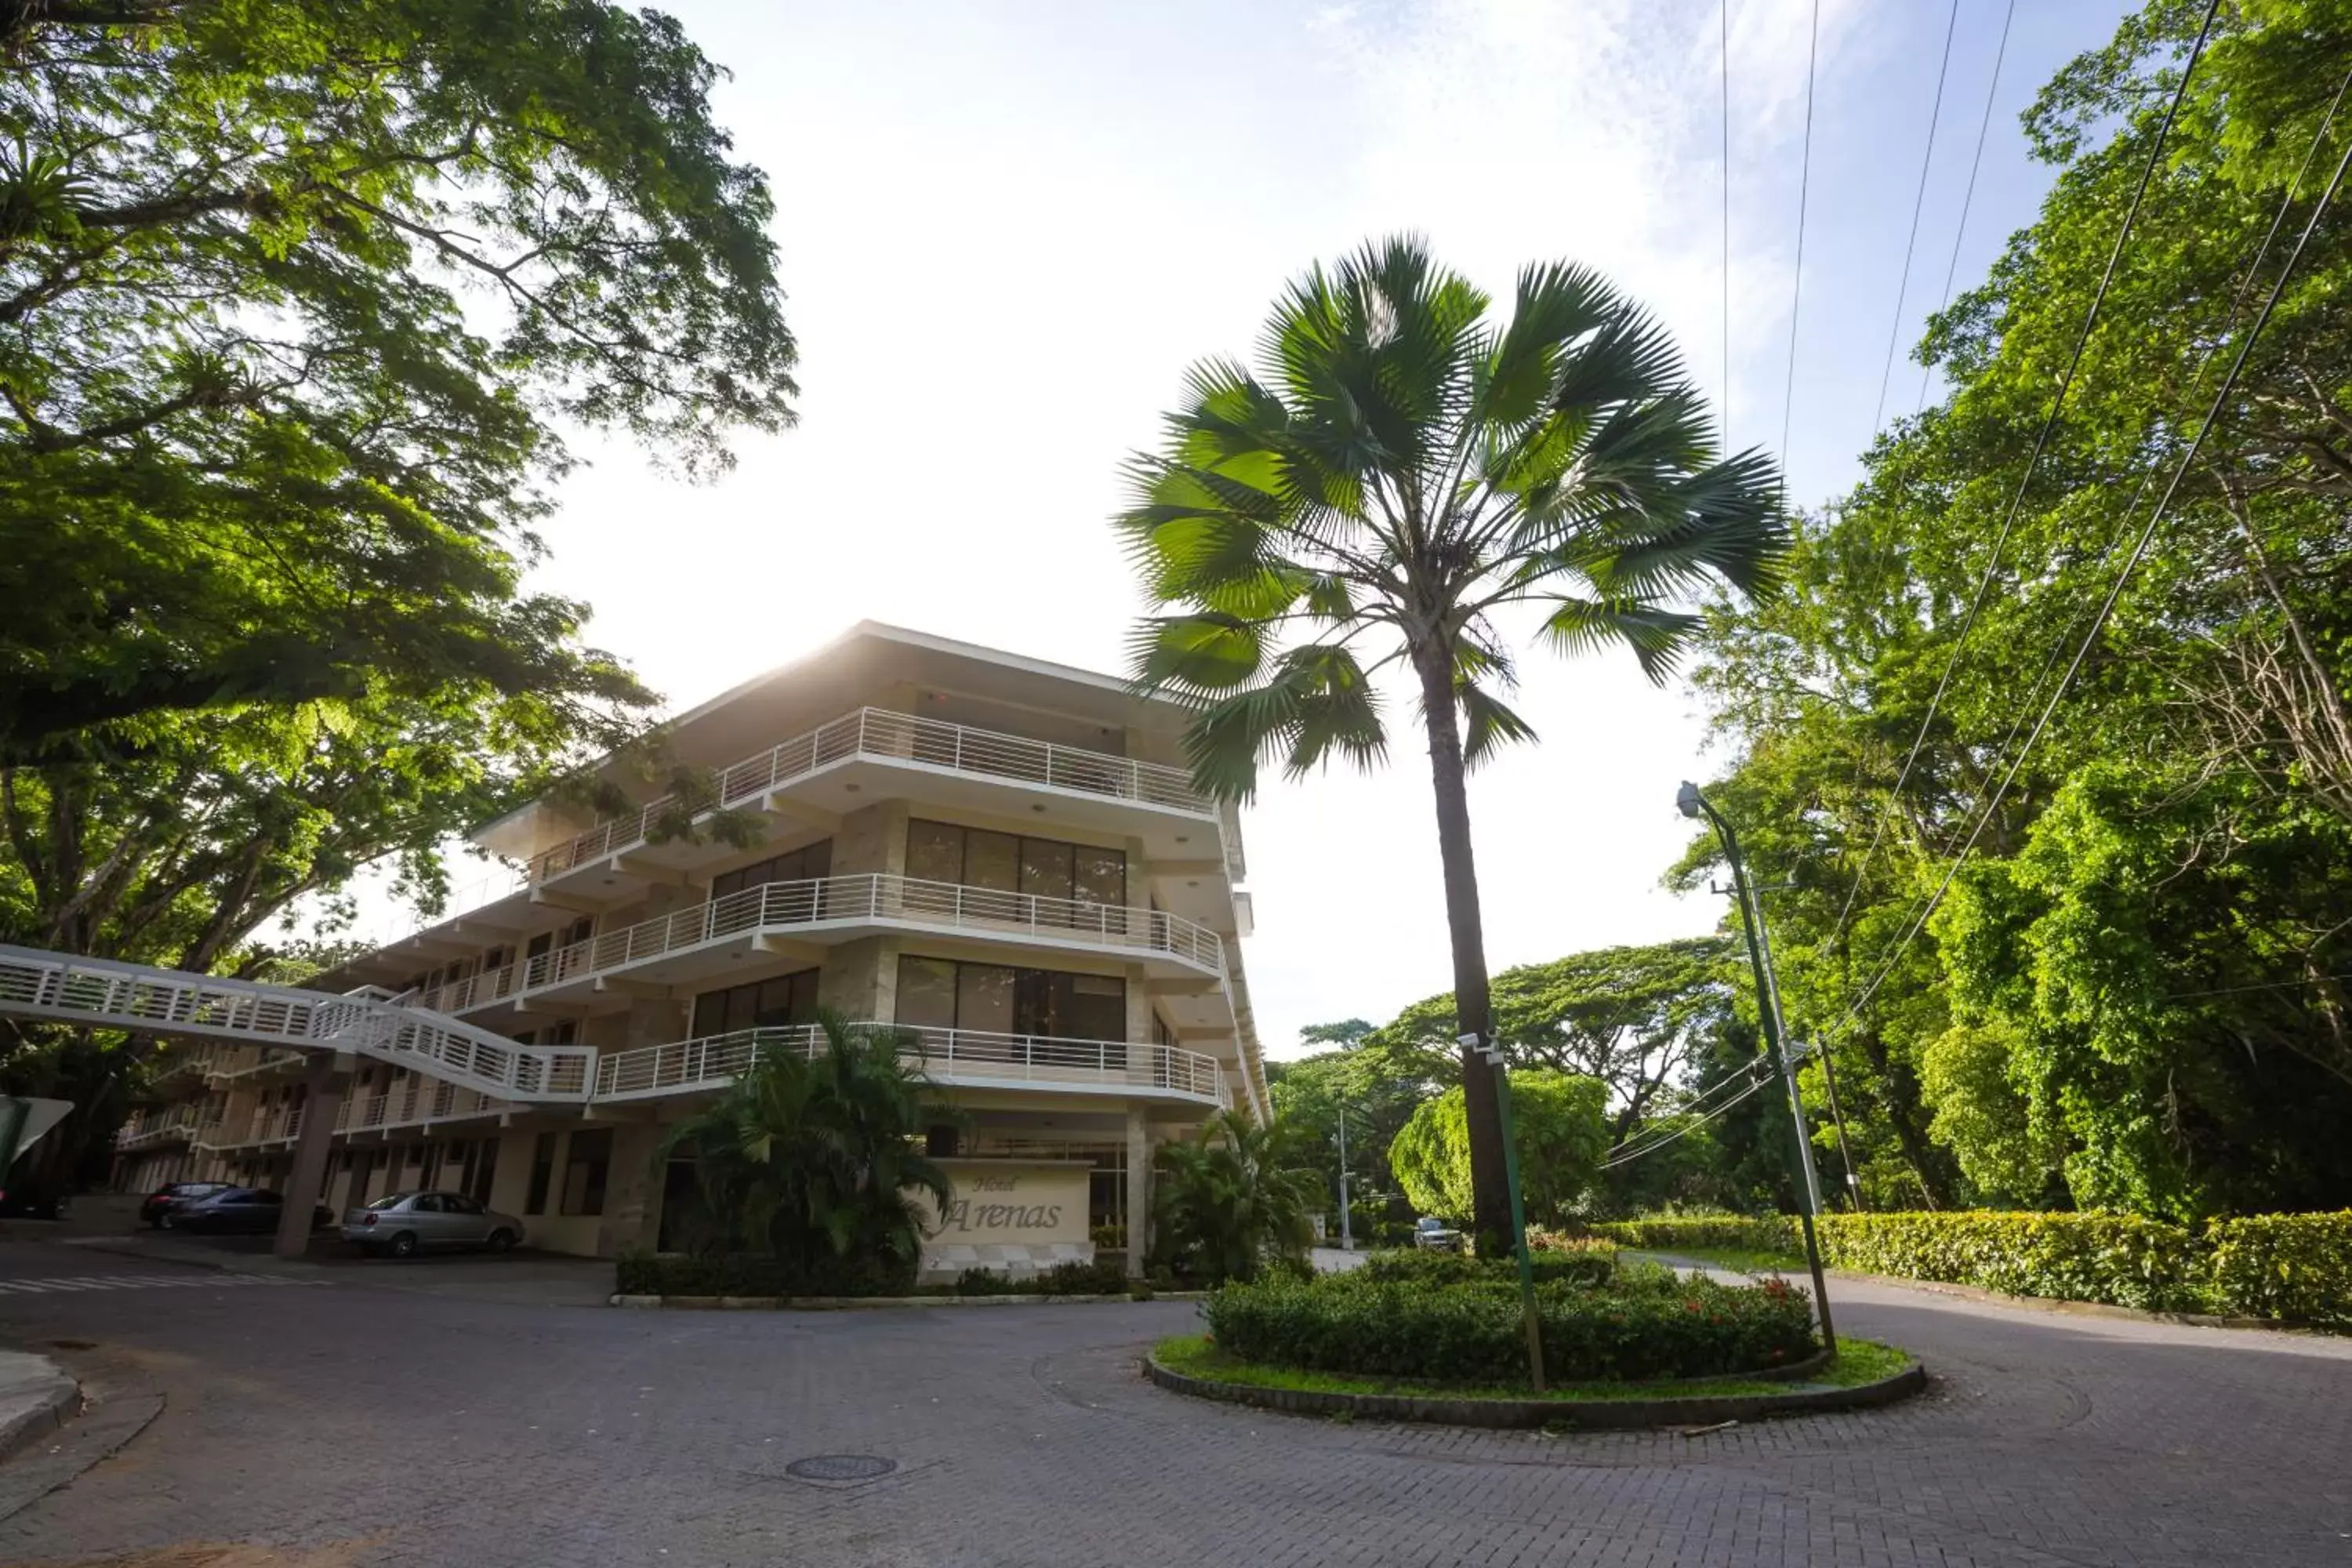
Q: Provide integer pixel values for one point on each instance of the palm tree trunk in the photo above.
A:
(1490, 1195)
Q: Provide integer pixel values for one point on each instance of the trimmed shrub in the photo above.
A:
(1589, 1266)
(1772, 1233)
(2295, 1265)
(752, 1274)
(2121, 1259)
(1474, 1333)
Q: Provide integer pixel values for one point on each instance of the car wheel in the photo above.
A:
(162, 1221)
(404, 1245)
(500, 1241)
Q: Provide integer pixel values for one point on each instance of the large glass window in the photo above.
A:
(542, 1172)
(809, 861)
(941, 994)
(760, 1005)
(1044, 868)
(586, 1163)
(927, 993)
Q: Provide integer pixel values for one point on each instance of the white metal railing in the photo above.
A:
(881, 734)
(179, 1121)
(269, 1061)
(844, 901)
(949, 1056)
(109, 994)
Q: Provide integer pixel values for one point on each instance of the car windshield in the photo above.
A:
(1432, 1225)
(391, 1200)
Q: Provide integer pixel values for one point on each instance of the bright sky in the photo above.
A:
(1007, 228)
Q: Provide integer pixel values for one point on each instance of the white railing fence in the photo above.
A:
(783, 906)
(106, 994)
(948, 1055)
(878, 733)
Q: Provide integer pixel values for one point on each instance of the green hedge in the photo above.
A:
(2296, 1268)
(2295, 1265)
(1774, 1233)
(2123, 1260)
(1474, 1333)
(1586, 1267)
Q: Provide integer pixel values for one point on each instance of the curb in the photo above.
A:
(858, 1303)
(55, 1402)
(1695, 1410)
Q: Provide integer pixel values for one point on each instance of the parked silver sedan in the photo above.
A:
(404, 1224)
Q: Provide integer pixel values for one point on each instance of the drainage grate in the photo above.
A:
(840, 1467)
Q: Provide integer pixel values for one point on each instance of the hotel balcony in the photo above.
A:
(961, 1059)
(704, 943)
(873, 754)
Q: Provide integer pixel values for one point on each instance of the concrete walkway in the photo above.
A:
(36, 1397)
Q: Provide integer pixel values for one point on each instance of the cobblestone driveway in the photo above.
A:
(350, 1425)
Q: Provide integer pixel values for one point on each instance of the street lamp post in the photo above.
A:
(1518, 1209)
(1693, 803)
(1346, 1236)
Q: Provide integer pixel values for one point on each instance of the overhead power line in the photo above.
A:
(1968, 196)
(2139, 550)
(1918, 205)
(1723, 15)
(2025, 480)
(1804, 189)
(1632, 1152)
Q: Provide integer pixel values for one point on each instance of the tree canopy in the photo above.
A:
(2133, 994)
(292, 298)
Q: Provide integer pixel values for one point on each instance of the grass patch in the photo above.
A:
(1859, 1361)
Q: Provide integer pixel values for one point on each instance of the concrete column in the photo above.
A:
(1138, 1189)
(631, 1193)
(323, 1084)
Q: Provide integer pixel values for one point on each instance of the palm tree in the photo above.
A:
(1398, 480)
(1226, 1201)
(814, 1158)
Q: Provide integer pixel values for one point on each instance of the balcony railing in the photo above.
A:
(175, 1125)
(948, 1055)
(844, 901)
(882, 735)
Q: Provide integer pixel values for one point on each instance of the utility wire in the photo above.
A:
(2139, 550)
(1968, 196)
(1804, 189)
(1631, 1154)
(1918, 205)
(1723, 16)
(2024, 483)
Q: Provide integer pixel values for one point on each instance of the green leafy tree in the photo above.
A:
(293, 296)
(817, 1160)
(1400, 477)
(1313, 1093)
(1562, 1129)
(1631, 1016)
(2133, 995)
(1232, 1199)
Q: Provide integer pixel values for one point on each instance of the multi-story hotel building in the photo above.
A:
(1003, 858)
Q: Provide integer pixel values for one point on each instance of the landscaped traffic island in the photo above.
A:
(1443, 1339)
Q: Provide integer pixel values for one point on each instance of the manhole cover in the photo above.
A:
(840, 1467)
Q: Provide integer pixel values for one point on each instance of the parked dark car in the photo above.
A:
(155, 1208)
(250, 1211)
(27, 1201)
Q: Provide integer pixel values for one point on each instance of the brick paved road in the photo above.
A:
(352, 1425)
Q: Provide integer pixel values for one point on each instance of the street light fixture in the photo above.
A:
(1694, 804)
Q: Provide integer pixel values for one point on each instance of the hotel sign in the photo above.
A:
(1000, 1202)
